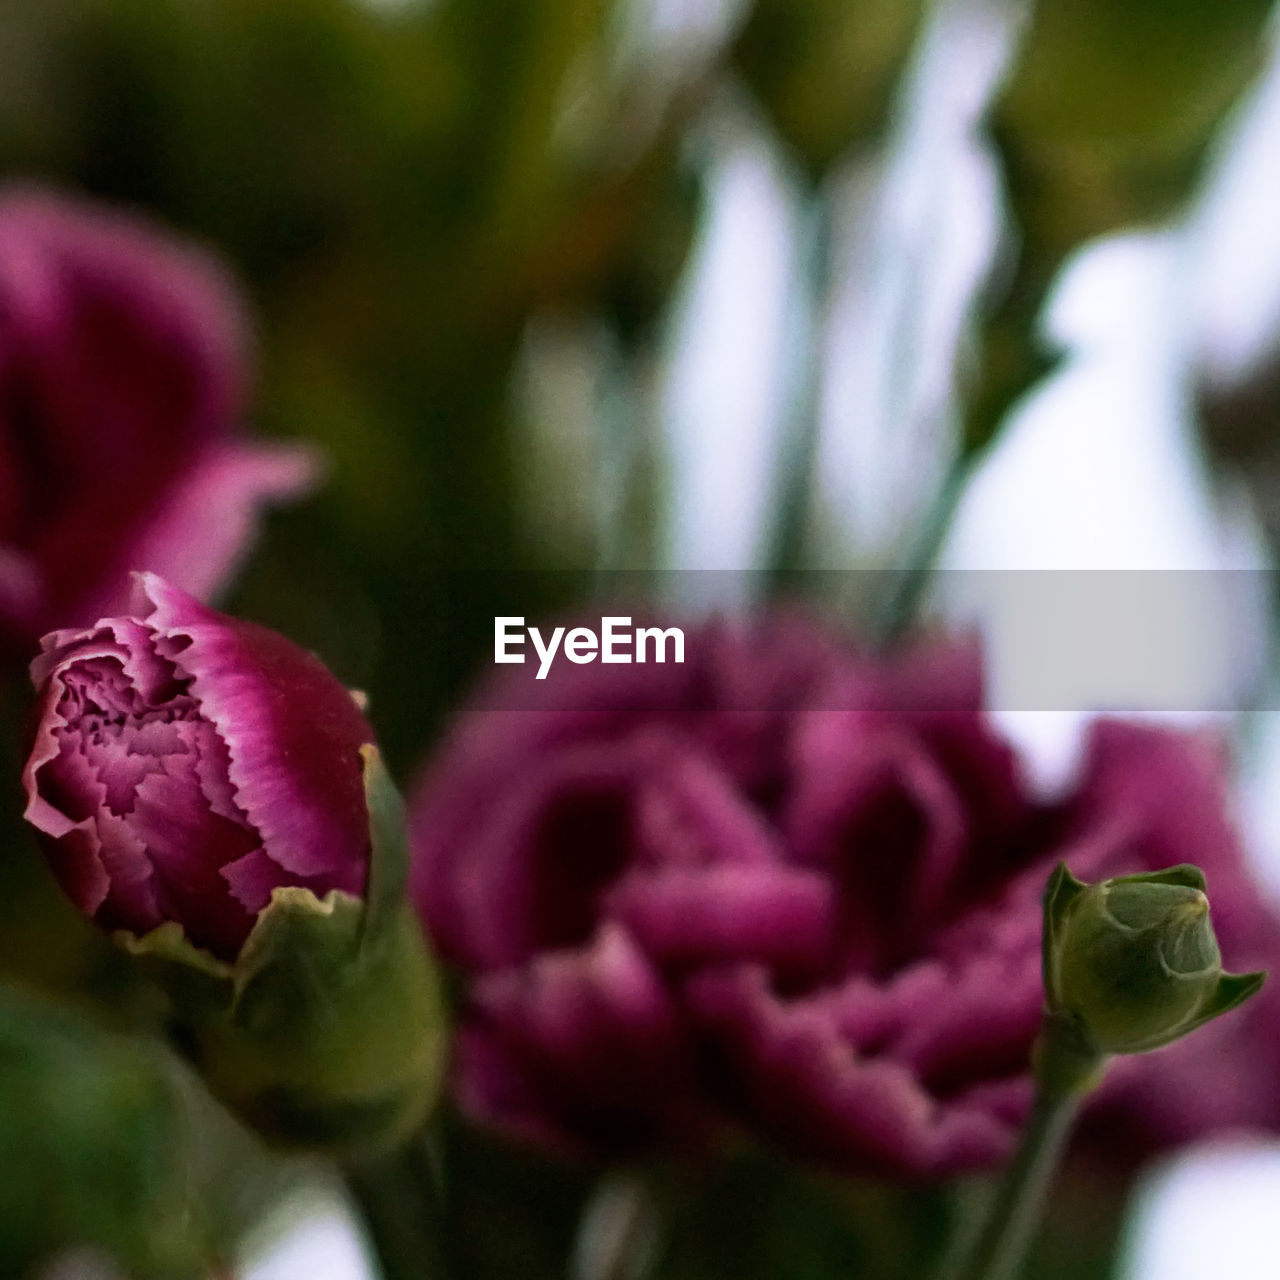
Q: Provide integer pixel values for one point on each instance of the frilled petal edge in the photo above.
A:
(292, 732)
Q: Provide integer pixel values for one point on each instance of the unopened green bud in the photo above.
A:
(1150, 86)
(825, 73)
(1132, 964)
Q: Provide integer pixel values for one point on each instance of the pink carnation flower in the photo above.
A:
(186, 764)
(792, 889)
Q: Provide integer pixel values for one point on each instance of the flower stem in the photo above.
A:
(398, 1196)
(790, 532)
(1015, 1215)
(1066, 1068)
(908, 586)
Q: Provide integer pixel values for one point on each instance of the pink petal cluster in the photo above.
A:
(123, 375)
(186, 764)
(792, 889)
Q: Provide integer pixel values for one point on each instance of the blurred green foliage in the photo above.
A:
(1149, 87)
(400, 192)
(1104, 122)
(93, 1147)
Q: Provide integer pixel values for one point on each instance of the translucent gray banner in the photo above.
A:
(1115, 640)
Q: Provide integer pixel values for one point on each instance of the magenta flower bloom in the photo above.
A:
(122, 383)
(791, 889)
(186, 764)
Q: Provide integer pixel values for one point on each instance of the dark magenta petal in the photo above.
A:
(942, 1023)
(873, 807)
(689, 813)
(1164, 793)
(198, 530)
(123, 369)
(540, 855)
(685, 915)
(601, 1058)
(254, 877)
(794, 1078)
(293, 735)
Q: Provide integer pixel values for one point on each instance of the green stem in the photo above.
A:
(1066, 1068)
(907, 587)
(1011, 361)
(789, 535)
(1013, 1218)
(399, 1200)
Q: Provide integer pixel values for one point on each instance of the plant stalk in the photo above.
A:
(398, 1197)
(1013, 1218)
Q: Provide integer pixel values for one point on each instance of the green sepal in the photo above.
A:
(335, 1036)
(1233, 989)
(389, 853)
(328, 1029)
(1061, 891)
(1185, 874)
(193, 979)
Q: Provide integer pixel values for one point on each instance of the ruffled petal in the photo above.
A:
(539, 855)
(123, 364)
(698, 915)
(292, 732)
(583, 1044)
(793, 1078)
(203, 525)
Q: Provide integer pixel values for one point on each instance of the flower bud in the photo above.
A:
(825, 74)
(210, 793)
(1132, 964)
(1150, 88)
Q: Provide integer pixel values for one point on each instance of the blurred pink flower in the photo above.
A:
(123, 375)
(791, 888)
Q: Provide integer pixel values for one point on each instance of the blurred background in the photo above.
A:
(566, 289)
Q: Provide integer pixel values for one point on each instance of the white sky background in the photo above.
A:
(316, 1237)
(1098, 469)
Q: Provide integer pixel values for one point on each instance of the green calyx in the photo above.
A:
(1131, 964)
(328, 1029)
